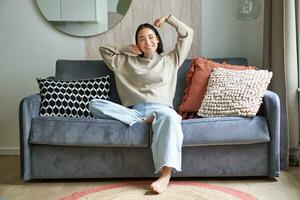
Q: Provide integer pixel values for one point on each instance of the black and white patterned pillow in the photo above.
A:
(71, 98)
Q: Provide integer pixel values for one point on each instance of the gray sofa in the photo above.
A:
(58, 147)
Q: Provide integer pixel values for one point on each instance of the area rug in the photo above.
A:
(177, 190)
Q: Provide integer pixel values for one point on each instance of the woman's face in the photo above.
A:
(147, 41)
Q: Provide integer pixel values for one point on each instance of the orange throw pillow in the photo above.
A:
(197, 81)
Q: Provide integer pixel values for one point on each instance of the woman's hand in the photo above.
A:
(160, 21)
(135, 49)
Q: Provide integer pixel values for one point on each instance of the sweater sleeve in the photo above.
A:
(114, 56)
(184, 41)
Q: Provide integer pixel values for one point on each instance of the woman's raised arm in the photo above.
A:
(114, 56)
(184, 39)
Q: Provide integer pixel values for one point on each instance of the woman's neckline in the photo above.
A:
(152, 56)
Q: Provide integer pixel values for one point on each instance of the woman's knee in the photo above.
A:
(97, 103)
(92, 104)
(96, 106)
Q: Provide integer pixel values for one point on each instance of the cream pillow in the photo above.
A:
(234, 92)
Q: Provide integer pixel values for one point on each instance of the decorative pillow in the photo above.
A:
(234, 93)
(71, 98)
(197, 80)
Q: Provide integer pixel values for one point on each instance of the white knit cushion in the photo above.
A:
(234, 93)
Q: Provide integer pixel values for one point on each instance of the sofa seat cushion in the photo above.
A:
(112, 133)
(225, 131)
(88, 132)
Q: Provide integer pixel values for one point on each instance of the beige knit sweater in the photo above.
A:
(140, 79)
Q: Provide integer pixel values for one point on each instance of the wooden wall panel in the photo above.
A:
(142, 11)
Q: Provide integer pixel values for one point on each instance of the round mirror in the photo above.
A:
(83, 17)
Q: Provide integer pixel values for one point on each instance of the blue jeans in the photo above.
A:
(167, 138)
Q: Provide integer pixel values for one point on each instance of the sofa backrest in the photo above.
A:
(84, 69)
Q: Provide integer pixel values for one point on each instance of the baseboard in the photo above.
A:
(9, 151)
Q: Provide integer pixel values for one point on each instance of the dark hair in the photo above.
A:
(160, 47)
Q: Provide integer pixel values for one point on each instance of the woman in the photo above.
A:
(146, 82)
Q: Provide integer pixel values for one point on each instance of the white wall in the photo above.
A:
(225, 36)
(29, 47)
(112, 5)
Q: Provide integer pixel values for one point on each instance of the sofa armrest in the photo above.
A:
(29, 108)
(272, 110)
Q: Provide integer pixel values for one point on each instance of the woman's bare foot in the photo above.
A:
(161, 184)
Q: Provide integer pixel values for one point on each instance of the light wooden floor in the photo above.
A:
(286, 187)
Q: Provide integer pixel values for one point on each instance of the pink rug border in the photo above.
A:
(236, 193)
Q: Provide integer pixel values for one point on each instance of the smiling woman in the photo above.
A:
(83, 18)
